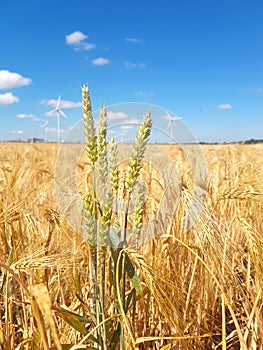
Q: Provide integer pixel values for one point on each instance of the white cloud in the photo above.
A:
(84, 47)
(116, 115)
(28, 116)
(129, 124)
(63, 103)
(75, 38)
(78, 40)
(53, 129)
(133, 40)
(50, 129)
(19, 132)
(225, 106)
(10, 80)
(8, 98)
(145, 94)
(100, 61)
(132, 121)
(24, 116)
(126, 127)
(130, 65)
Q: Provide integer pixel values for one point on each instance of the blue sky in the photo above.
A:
(200, 60)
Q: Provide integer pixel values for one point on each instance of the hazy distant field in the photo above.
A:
(203, 273)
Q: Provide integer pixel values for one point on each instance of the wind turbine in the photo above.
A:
(171, 123)
(58, 112)
(44, 126)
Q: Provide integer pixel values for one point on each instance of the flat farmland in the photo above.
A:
(199, 259)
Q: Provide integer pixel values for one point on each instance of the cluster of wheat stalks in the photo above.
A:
(199, 288)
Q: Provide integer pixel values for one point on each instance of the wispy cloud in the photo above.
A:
(129, 124)
(144, 94)
(28, 116)
(126, 127)
(10, 80)
(63, 103)
(259, 90)
(79, 41)
(53, 129)
(132, 121)
(131, 65)
(100, 61)
(134, 40)
(8, 98)
(50, 129)
(116, 115)
(19, 132)
(225, 106)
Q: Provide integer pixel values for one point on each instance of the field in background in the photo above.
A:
(203, 280)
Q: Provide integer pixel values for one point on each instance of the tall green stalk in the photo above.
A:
(132, 174)
(92, 153)
(103, 222)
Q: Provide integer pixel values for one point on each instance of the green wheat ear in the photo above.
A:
(139, 198)
(138, 151)
(89, 212)
(102, 145)
(113, 166)
(90, 137)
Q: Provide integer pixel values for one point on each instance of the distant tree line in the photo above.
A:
(252, 141)
(247, 142)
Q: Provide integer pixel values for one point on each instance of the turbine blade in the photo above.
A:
(62, 113)
(169, 117)
(45, 124)
(58, 102)
(51, 113)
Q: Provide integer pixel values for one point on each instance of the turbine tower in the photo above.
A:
(45, 128)
(171, 123)
(57, 112)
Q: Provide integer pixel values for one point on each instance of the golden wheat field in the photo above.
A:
(200, 268)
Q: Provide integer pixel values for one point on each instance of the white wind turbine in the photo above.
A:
(57, 112)
(45, 128)
(171, 123)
